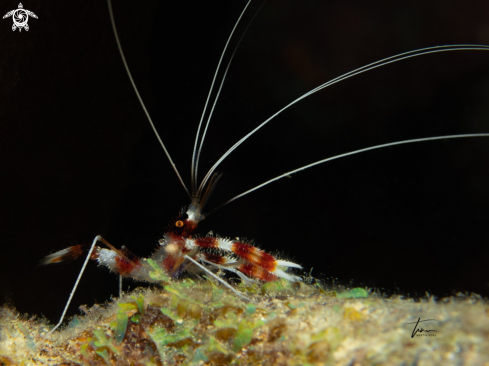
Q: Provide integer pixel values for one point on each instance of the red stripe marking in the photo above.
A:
(254, 255)
(123, 266)
(76, 251)
(254, 271)
(207, 242)
(169, 262)
(215, 258)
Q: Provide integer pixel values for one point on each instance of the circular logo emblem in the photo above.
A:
(20, 18)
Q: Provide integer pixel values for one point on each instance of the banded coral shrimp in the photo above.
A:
(100, 170)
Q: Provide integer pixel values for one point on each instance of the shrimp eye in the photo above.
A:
(179, 223)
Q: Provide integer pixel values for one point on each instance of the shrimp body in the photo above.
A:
(180, 249)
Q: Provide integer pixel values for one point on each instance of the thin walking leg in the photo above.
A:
(219, 279)
(97, 238)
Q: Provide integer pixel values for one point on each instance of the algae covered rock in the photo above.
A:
(199, 323)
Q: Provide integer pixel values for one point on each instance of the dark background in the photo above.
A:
(78, 158)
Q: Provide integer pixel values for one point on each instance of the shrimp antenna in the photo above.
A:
(371, 66)
(345, 155)
(210, 188)
(112, 20)
(197, 153)
(193, 177)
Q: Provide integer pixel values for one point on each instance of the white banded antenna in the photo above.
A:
(112, 20)
(371, 66)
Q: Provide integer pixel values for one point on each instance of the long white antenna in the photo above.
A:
(349, 154)
(193, 177)
(371, 66)
(112, 20)
(219, 93)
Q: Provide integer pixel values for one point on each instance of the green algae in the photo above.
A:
(354, 293)
(122, 320)
(158, 274)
